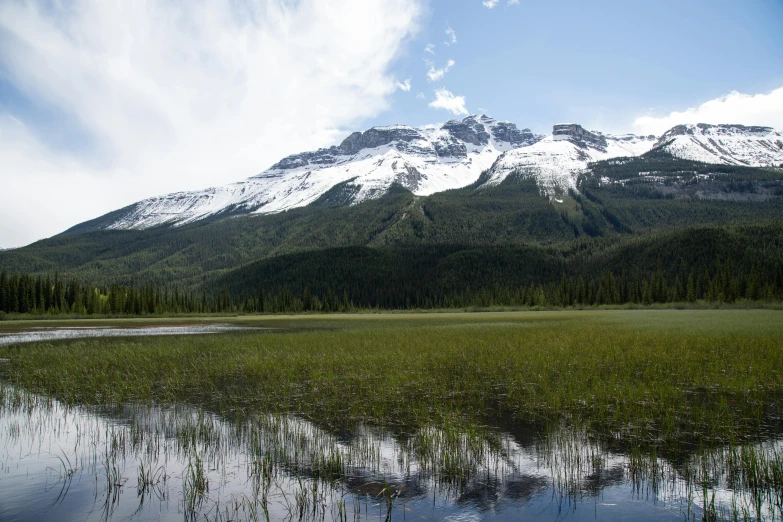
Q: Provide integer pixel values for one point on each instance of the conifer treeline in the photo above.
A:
(26, 294)
(23, 293)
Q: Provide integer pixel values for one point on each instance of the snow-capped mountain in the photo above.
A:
(557, 160)
(441, 157)
(424, 160)
(727, 144)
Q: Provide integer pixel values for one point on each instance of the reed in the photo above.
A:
(692, 395)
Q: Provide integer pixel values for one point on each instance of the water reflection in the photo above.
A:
(57, 333)
(170, 463)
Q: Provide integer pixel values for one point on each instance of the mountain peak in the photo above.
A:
(704, 129)
(731, 144)
(377, 137)
(577, 134)
(435, 158)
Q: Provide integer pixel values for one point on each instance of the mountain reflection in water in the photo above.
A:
(58, 333)
(143, 462)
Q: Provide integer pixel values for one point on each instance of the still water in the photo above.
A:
(57, 333)
(180, 462)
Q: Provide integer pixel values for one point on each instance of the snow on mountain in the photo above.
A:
(557, 160)
(727, 144)
(424, 160)
(436, 158)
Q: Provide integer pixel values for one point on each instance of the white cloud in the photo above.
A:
(420, 95)
(430, 48)
(493, 3)
(452, 36)
(404, 86)
(446, 100)
(435, 75)
(181, 95)
(735, 107)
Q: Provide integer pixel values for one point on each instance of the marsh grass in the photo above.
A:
(626, 380)
(683, 394)
(195, 487)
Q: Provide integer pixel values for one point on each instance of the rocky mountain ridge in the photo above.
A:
(727, 144)
(430, 159)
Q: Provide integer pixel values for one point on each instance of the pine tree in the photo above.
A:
(14, 300)
(677, 290)
(753, 291)
(646, 293)
(564, 297)
(58, 293)
(690, 292)
(5, 292)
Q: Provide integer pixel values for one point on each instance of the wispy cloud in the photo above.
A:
(444, 99)
(493, 3)
(420, 95)
(404, 86)
(180, 95)
(451, 36)
(430, 48)
(735, 107)
(435, 75)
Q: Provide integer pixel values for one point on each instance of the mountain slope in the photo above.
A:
(556, 161)
(423, 160)
(726, 144)
(477, 151)
(615, 201)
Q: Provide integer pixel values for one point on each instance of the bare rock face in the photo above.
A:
(410, 178)
(377, 137)
(453, 143)
(469, 130)
(318, 157)
(353, 144)
(478, 131)
(578, 135)
(507, 132)
(450, 148)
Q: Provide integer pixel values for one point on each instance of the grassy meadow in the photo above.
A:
(659, 378)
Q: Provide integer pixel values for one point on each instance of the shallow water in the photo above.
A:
(57, 333)
(169, 463)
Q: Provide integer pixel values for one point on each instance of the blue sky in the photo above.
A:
(105, 103)
(599, 63)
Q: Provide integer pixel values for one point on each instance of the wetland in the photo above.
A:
(650, 415)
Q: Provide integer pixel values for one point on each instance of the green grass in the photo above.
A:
(664, 376)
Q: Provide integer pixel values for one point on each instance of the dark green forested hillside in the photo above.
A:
(632, 216)
(652, 192)
(746, 260)
(512, 213)
(713, 263)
